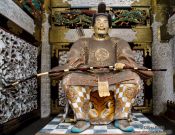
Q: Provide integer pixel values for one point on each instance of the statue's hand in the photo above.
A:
(119, 66)
(55, 72)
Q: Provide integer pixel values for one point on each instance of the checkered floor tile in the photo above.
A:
(139, 122)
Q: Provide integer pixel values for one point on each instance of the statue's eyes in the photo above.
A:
(108, 105)
(98, 22)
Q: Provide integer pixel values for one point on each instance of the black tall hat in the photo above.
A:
(102, 11)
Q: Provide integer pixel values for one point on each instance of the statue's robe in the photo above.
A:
(81, 87)
(88, 52)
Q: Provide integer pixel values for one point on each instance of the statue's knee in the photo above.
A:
(131, 90)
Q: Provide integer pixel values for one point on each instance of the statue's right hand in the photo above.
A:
(56, 72)
(119, 66)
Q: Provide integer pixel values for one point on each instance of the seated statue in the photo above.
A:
(100, 96)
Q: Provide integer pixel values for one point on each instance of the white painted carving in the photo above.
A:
(18, 60)
(171, 25)
(138, 55)
(171, 31)
(162, 81)
(62, 61)
(13, 12)
(139, 100)
(92, 3)
(127, 34)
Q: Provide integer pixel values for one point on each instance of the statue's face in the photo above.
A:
(101, 25)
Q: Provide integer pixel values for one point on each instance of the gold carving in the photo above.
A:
(59, 3)
(142, 3)
(143, 109)
(57, 10)
(57, 34)
(144, 35)
(47, 6)
(162, 13)
(37, 33)
(43, 18)
(60, 46)
(154, 5)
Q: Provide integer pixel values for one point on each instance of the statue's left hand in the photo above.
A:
(119, 66)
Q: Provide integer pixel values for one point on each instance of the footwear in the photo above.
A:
(80, 126)
(123, 125)
(116, 124)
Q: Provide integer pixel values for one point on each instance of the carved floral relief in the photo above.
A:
(18, 60)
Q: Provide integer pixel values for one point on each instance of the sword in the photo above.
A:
(78, 69)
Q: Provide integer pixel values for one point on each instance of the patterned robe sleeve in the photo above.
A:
(76, 58)
(77, 54)
(125, 55)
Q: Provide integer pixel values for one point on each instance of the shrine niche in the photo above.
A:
(69, 23)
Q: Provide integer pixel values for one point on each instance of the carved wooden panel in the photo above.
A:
(18, 60)
(121, 18)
